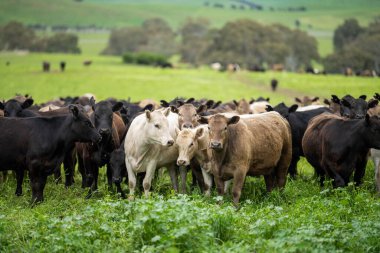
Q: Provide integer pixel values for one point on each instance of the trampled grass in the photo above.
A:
(302, 218)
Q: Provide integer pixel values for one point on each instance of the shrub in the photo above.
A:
(144, 58)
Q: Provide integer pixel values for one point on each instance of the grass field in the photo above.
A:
(302, 218)
(320, 19)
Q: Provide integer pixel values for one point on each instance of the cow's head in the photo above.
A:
(242, 107)
(14, 108)
(355, 108)
(188, 115)
(282, 109)
(82, 128)
(218, 129)
(103, 116)
(117, 163)
(188, 142)
(157, 127)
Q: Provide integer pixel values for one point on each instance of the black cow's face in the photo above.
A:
(82, 127)
(103, 116)
(284, 110)
(117, 162)
(14, 108)
(353, 108)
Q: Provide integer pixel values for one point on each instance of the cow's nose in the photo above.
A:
(116, 180)
(170, 143)
(359, 116)
(181, 162)
(187, 125)
(216, 144)
(104, 131)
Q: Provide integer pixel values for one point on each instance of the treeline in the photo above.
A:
(16, 36)
(245, 42)
(355, 47)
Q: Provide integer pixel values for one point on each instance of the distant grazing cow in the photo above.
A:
(298, 123)
(87, 63)
(45, 66)
(216, 66)
(62, 65)
(274, 84)
(257, 146)
(278, 67)
(337, 147)
(39, 144)
(149, 145)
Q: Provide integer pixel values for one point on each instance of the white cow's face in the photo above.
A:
(157, 128)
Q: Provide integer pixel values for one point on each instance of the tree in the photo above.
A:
(126, 39)
(346, 33)
(16, 36)
(195, 39)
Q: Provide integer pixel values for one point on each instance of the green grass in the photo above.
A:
(320, 19)
(302, 218)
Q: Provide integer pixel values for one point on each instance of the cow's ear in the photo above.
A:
(1, 106)
(27, 103)
(373, 103)
(74, 110)
(174, 109)
(180, 103)
(252, 101)
(233, 120)
(201, 109)
(92, 103)
(216, 104)
(293, 108)
(117, 106)
(177, 131)
(148, 107)
(235, 102)
(147, 114)
(315, 99)
(377, 96)
(269, 108)
(267, 99)
(199, 132)
(164, 103)
(298, 100)
(364, 97)
(335, 99)
(209, 103)
(190, 100)
(124, 110)
(326, 101)
(166, 112)
(346, 103)
(203, 120)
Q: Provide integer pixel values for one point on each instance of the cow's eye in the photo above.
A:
(88, 123)
(157, 126)
(191, 144)
(225, 128)
(195, 115)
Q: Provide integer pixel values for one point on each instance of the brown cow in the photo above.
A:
(242, 107)
(259, 145)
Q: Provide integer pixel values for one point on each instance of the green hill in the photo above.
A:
(319, 18)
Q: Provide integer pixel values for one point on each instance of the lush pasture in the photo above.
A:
(302, 218)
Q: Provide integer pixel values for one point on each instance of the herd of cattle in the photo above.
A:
(219, 142)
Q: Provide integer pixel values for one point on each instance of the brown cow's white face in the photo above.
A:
(157, 128)
(187, 116)
(187, 143)
(218, 126)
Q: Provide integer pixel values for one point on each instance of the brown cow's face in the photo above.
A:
(187, 116)
(218, 130)
(187, 143)
(242, 107)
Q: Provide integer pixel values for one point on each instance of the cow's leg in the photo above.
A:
(173, 176)
(109, 176)
(120, 190)
(238, 182)
(376, 162)
(131, 179)
(37, 183)
(69, 165)
(183, 173)
(95, 175)
(269, 182)
(151, 168)
(219, 185)
(292, 170)
(227, 185)
(360, 171)
(208, 182)
(19, 179)
(197, 175)
(57, 174)
(82, 171)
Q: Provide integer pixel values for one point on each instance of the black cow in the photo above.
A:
(350, 107)
(15, 108)
(96, 156)
(39, 144)
(298, 122)
(337, 146)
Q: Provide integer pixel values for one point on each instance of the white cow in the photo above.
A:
(258, 107)
(149, 145)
